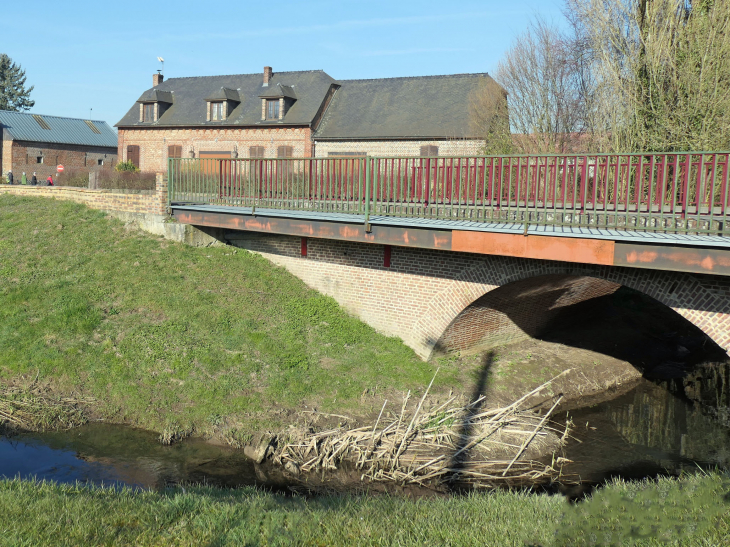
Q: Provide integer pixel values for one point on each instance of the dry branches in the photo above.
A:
(450, 443)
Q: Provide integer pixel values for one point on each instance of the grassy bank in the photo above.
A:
(688, 512)
(174, 338)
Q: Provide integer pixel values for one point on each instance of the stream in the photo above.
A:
(656, 428)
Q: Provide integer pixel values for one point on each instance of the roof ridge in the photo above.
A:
(246, 74)
(50, 116)
(433, 76)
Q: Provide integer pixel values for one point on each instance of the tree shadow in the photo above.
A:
(461, 453)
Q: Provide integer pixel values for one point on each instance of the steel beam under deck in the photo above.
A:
(687, 254)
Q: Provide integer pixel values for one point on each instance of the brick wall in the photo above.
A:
(126, 201)
(153, 142)
(455, 147)
(424, 292)
(20, 156)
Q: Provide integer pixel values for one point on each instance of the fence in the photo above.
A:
(671, 193)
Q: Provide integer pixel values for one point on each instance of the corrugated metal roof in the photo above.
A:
(25, 127)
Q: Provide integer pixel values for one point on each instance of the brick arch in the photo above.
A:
(702, 300)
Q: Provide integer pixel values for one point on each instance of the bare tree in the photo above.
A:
(542, 76)
(660, 72)
(490, 118)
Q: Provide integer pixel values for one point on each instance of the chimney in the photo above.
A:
(268, 73)
(157, 79)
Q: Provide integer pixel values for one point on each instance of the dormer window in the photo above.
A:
(272, 109)
(276, 102)
(153, 104)
(221, 104)
(216, 111)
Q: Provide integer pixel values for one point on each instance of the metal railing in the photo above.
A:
(668, 193)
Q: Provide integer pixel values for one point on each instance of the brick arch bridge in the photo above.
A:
(441, 301)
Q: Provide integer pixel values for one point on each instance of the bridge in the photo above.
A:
(461, 253)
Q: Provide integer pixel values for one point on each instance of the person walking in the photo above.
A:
(23, 179)
(10, 177)
(34, 180)
(49, 181)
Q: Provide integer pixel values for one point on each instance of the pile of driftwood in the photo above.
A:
(458, 444)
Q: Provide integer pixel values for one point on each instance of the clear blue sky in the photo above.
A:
(81, 54)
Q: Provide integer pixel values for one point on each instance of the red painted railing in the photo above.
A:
(687, 192)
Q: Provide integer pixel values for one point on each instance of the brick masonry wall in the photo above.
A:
(424, 292)
(22, 156)
(153, 142)
(144, 201)
(407, 148)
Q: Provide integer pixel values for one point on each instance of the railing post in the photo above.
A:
(170, 186)
(368, 180)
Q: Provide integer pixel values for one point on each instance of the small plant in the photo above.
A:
(126, 166)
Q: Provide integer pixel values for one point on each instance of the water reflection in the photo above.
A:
(657, 428)
(108, 454)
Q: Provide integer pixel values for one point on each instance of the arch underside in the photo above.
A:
(502, 299)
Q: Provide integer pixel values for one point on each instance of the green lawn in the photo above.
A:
(169, 337)
(686, 512)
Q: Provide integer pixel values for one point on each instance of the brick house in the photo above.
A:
(38, 143)
(298, 114)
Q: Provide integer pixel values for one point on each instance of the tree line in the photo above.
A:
(614, 76)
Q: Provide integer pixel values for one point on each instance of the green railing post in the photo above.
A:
(368, 181)
(169, 182)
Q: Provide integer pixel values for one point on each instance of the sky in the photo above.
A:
(94, 59)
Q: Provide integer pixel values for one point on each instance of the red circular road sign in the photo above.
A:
(59, 168)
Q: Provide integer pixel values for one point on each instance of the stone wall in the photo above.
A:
(126, 201)
(423, 293)
(409, 148)
(153, 143)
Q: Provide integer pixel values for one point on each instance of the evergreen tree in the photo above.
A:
(13, 94)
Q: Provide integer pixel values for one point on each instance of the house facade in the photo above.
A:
(299, 114)
(39, 143)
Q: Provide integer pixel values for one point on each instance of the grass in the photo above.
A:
(36, 513)
(174, 338)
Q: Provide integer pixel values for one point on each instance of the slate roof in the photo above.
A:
(22, 126)
(393, 108)
(224, 94)
(189, 94)
(155, 95)
(279, 90)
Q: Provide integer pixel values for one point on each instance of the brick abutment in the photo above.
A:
(442, 301)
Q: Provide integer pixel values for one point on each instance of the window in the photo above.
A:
(92, 127)
(216, 111)
(133, 154)
(285, 152)
(149, 113)
(429, 150)
(256, 152)
(39, 159)
(41, 122)
(99, 162)
(272, 109)
(174, 151)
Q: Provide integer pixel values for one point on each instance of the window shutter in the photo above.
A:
(285, 152)
(429, 150)
(174, 151)
(256, 152)
(133, 154)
